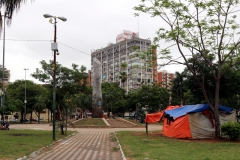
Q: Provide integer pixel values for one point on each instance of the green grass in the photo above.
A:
(138, 146)
(18, 143)
(90, 122)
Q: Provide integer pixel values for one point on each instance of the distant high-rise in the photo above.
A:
(121, 59)
(165, 79)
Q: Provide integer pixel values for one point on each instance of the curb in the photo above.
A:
(106, 122)
(123, 156)
(136, 125)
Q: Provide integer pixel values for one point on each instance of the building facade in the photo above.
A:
(165, 79)
(127, 56)
(6, 76)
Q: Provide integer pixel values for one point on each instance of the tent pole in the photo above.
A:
(147, 128)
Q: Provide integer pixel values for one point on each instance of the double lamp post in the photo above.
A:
(55, 49)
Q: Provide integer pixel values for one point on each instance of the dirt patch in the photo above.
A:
(19, 134)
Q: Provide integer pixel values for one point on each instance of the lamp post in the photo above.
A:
(25, 101)
(2, 98)
(54, 48)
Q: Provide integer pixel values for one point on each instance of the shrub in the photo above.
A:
(231, 130)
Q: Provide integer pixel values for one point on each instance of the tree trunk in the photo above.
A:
(215, 111)
(97, 112)
(66, 121)
(31, 117)
(39, 117)
(217, 123)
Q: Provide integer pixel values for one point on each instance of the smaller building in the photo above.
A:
(165, 79)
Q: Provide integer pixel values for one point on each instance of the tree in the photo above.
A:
(16, 95)
(123, 75)
(113, 97)
(203, 30)
(68, 81)
(178, 86)
(39, 106)
(153, 97)
(9, 6)
(85, 102)
(228, 91)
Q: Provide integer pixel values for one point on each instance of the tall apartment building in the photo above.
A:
(165, 79)
(115, 56)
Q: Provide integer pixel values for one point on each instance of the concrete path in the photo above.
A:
(86, 144)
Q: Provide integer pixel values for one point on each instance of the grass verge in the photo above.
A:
(139, 146)
(18, 143)
(90, 122)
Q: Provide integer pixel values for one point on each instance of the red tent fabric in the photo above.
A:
(180, 128)
(154, 117)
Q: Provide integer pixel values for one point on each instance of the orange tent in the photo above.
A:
(190, 121)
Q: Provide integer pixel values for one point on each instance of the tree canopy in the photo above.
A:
(16, 95)
(204, 32)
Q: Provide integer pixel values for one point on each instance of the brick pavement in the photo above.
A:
(83, 146)
(86, 144)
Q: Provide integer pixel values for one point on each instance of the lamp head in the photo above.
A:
(47, 16)
(62, 18)
(50, 20)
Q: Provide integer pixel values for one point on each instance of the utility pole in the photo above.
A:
(54, 48)
(25, 101)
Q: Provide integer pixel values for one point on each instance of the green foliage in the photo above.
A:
(154, 97)
(231, 130)
(72, 81)
(123, 76)
(113, 97)
(124, 65)
(179, 86)
(85, 101)
(205, 33)
(229, 88)
(16, 95)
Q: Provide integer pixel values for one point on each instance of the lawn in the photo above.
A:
(138, 146)
(90, 122)
(18, 143)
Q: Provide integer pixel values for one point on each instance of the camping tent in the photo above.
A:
(190, 121)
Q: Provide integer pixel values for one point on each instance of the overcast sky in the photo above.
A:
(91, 24)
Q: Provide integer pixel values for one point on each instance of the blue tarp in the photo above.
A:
(181, 111)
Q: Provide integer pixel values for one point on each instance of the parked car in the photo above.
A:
(41, 120)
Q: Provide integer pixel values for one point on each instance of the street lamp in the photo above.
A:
(54, 48)
(25, 101)
(2, 95)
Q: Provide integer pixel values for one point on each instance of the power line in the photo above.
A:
(73, 48)
(48, 41)
(25, 40)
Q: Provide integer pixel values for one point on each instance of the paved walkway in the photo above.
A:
(86, 144)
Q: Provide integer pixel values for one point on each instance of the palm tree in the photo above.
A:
(178, 86)
(123, 76)
(39, 106)
(9, 6)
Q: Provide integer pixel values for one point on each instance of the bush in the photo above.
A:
(231, 130)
